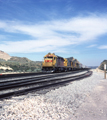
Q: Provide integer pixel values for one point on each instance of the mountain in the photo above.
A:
(19, 59)
(18, 64)
(102, 65)
(4, 55)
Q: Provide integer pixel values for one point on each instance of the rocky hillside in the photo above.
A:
(102, 65)
(4, 55)
(21, 65)
(19, 59)
(18, 64)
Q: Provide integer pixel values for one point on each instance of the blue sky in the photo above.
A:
(68, 28)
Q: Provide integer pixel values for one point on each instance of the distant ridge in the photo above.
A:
(4, 55)
(18, 64)
(20, 59)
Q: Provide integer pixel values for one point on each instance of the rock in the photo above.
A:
(4, 55)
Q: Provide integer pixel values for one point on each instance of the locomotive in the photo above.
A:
(53, 63)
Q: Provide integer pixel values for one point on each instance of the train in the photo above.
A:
(54, 63)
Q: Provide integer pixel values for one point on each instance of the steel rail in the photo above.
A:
(48, 83)
(2, 81)
(29, 82)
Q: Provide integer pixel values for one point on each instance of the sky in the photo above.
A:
(68, 28)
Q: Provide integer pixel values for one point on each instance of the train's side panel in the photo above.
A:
(65, 62)
(54, 61)
(59, 62)
(74, 65)
(69, 63)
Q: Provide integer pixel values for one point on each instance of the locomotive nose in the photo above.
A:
(48, 60)
(48, 63)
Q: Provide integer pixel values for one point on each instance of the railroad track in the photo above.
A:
(15, 86)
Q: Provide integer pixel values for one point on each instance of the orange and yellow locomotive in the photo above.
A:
(54, 63)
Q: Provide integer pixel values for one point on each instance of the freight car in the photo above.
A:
(53, 63)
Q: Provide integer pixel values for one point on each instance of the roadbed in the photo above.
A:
(83, 99)
(95, 105)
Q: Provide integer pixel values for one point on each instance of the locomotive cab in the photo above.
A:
(53, 63)
(49, 63)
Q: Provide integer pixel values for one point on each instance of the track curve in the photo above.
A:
(19, 86)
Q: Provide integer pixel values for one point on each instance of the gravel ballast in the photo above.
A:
(56, 104)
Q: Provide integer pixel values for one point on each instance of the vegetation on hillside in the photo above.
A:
(19, 64)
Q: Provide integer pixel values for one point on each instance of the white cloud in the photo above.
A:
(103, 47)
(52, 35)
(90, 46)
(33, 45)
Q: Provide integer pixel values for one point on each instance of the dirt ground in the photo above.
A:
(95, 105)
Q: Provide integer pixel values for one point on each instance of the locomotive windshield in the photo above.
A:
(50, 57)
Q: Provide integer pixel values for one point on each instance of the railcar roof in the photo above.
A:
(59, 57)
(51, 54)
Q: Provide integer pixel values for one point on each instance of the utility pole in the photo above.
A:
(104, 71)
